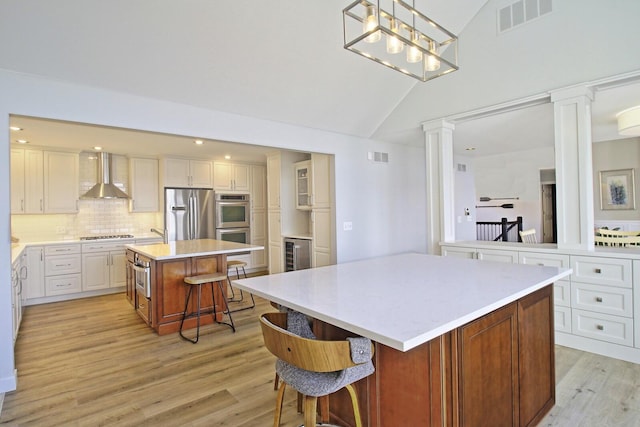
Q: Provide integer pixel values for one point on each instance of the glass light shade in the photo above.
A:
(629, 121)
(394, 45)
(432, 63)
(371, 22)
(413, 53)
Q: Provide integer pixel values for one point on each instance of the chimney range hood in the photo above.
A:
(104, 189)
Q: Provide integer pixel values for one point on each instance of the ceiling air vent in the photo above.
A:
(521, 12)
(378, 156)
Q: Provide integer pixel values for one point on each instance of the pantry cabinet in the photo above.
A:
(187, 173)
(231, 176)
(143, 185)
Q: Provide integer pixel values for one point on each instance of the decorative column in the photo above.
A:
(574, 167)
(440, 183)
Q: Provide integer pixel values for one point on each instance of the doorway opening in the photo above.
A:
(548, 193)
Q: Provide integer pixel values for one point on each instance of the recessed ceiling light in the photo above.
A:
(228, 157)
(198, 142)
(14, 128)
(22, 141)
(97, 148)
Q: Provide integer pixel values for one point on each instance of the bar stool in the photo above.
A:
(237, 265)
(198, 281)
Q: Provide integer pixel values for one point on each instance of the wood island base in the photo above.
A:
(498, 370)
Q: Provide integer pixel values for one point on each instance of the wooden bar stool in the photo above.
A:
(238, 265)
(198, 281)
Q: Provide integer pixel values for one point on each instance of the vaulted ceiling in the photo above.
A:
(281, 60)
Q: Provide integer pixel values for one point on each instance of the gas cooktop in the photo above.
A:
(109, 236)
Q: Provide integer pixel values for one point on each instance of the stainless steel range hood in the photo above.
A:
(104, 189)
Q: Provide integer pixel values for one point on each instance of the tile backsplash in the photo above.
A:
(94, 217)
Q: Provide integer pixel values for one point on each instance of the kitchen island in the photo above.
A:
(458, 342)
(155, 278)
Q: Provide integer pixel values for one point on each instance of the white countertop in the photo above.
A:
(404, 300)
(189, 248)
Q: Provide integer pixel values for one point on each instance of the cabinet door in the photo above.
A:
(259, 258)
(258, 187)
(144, 185)
(201, 174)
(95, 271)
(61, 183)
(17, 181)
(221, 176)
(321, 233)
(275, 229)
(321, 181)
(34, 285)
(241, 177)
(302, 176)
(176, 173)
(273, 181)
(489, 369)
(34, 182)
(117, 269)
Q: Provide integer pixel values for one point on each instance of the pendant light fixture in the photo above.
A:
(629, 121)
(431, 50)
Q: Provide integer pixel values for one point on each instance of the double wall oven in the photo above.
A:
(232, 217)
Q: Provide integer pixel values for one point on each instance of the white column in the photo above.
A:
(574, 167)
(440, 191)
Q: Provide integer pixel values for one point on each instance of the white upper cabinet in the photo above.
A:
(27, 181)
(61, 182)
(273, 181)
(258, 187)
(231, 176)
(188, 173)
(143, 186)
(313, 182)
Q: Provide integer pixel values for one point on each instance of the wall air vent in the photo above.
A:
(521, 12)
(378, 156)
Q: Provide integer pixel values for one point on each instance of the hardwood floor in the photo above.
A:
(92, 362)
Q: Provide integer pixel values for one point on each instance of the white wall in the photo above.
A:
(513, 175)
(385, 202)
(580, 41)
(465, 196)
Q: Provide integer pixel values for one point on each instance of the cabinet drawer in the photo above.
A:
(59, 285)
(547, 260)
(562, 319)
(62, 249)
(604, 327)
(105, 247)
(61, 264)
(562, 293)
(143, 307)
(497, 256)
(602, 299)
(602, 271)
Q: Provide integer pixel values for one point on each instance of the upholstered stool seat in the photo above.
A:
(198, 281)
(238, 265)
(315, 368)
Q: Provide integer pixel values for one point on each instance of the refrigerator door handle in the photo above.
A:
(194, 217)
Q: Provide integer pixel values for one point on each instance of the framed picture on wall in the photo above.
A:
(617, 190)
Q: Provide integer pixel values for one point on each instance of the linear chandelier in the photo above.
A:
(393, 33)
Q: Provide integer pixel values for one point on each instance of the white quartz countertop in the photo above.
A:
(404, 300)
(189, 248)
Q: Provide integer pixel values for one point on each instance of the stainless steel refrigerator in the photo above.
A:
(189, 213)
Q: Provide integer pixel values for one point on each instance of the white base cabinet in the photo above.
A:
(597, 308)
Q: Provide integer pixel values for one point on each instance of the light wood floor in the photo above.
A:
(92, 362)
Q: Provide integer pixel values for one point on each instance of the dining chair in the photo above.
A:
(528, 236)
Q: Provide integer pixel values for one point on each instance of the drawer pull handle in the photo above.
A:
(598, 299)
(541, 264)
(600, 327)
(597, 270)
